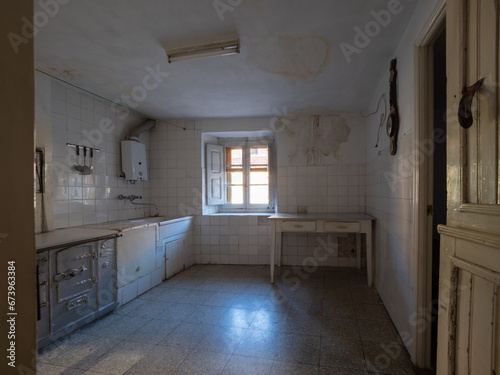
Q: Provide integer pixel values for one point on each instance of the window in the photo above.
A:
(240, 175)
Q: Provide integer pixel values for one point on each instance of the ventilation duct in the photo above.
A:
(146, 125)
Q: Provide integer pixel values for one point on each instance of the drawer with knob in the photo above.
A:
(344, 227)
(298, 226)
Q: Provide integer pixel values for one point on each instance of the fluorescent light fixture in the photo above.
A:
(207, 50)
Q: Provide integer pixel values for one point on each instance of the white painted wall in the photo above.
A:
(389, 184)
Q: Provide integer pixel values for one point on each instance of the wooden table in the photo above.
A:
(322, 223)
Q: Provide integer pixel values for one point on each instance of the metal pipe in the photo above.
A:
(132, 197)
(146, 125)
(146, 204)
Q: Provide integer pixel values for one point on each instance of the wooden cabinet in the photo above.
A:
(176, 245)
(175, 248)
(136, 253)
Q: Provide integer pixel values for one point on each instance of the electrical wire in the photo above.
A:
(382, 116)
(106, 99)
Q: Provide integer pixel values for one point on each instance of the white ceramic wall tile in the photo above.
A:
(177, 188)
(82, 119)
(389, 198)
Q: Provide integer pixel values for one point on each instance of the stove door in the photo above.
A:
(74, 284)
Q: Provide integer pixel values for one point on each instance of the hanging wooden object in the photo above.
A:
(392, 126)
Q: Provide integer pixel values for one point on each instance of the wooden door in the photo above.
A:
(469, 303)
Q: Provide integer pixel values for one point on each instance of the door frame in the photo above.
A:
(422, 181)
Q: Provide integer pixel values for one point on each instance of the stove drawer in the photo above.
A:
(73, 311)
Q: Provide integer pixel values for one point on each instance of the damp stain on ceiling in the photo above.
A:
(293, 53)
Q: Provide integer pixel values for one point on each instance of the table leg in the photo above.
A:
(358, 250)
(273, 248)
(369, 265)
(278, 247)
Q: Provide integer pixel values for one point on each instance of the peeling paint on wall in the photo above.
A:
(292, 57)
(314, 137)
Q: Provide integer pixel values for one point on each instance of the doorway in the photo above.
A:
(430, 178)
(438, 167)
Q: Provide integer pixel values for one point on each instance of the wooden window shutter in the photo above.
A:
(215, 174)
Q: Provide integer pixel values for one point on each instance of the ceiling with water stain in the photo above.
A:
(297, 56)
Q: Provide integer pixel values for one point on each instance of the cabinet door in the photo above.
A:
(174, 256)
(136, 255)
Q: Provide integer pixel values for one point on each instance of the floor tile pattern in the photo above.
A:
(213, 319)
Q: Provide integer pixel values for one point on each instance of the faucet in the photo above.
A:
(132, 197)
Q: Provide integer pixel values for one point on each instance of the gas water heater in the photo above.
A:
(134, 162)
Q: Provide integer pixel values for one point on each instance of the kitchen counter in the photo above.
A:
(123, 225)
(71, 236)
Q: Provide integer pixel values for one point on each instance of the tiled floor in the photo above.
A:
(230, 320)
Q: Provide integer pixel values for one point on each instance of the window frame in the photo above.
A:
(246, 144)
